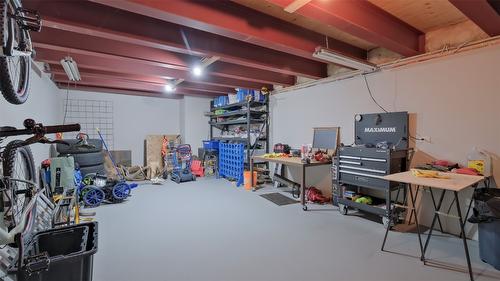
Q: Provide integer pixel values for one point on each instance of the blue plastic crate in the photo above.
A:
(242, 94)
(232, 161)
(221, 101)
(211, 144)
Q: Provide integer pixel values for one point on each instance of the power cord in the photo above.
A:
(66, 105)
(381, 107)
(417, 139)
(371, 95)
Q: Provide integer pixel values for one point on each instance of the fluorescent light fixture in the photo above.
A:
(330, 56)
(71, 69)
(197, 71)
(169, 88)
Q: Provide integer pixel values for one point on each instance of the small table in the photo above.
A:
(292, 162)
(455, 184)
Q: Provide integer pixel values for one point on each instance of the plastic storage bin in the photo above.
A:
(210, 145)
(60, 254)
(242, 94)
(489, 243)
(221, 101)
(232, 98)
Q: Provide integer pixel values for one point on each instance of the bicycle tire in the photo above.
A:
(14, 201)
(9, 91)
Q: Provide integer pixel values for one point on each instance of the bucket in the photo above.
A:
(247, 179)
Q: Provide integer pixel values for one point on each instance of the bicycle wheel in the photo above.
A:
(14, 70)
(18, 164)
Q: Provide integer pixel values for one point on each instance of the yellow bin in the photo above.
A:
(246, 176)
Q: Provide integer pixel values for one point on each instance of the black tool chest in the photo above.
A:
(365, 166)
(360, 167)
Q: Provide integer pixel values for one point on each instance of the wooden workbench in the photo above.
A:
(292, 162)
(455, 183)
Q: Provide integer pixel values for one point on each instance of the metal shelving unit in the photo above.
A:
(253, 115)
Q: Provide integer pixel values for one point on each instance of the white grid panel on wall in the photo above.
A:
(90, 114)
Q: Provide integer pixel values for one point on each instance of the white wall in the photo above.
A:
(134, 117)
(454, 100)
(43, 106)
(194, 123)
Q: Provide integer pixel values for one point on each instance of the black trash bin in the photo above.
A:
(487, 215)
(64, 253)
(489, 243)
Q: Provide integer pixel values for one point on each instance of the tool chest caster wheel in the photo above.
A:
(343, 209)
(304, 208)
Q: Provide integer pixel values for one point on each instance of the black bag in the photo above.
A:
(486, 205)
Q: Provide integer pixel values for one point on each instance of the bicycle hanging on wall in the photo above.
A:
(17, 49)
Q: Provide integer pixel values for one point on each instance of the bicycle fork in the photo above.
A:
(27, 20)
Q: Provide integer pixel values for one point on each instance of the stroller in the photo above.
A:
(182, 160)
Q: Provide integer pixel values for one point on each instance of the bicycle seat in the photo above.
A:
(7, 128)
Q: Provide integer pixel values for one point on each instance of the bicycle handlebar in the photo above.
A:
(62, 128)
(32, 128)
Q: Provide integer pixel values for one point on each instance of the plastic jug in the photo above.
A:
(479, 160)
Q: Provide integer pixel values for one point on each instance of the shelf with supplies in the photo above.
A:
(238, 122)
(253, 104)
(236, 139)
(247, 120)
(241, 112)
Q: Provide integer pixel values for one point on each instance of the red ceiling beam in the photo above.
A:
(206, 88)
(111, 83)
(61, 40)
(237, 22)
(105, 62)
(84, 73)
(363, 20)
(100, 89)
(89, 18)
(481, 13)
(58, 69)
(126, 85)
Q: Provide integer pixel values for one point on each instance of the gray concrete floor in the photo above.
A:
(211, 230)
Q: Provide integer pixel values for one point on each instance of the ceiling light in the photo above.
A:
(71, 69)
(202, 64)
(169, 88)
(197, 70)
(330, 56)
